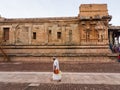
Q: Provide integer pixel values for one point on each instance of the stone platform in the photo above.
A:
(64, 53)
(35, 78)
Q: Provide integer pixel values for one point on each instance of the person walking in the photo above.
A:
(119, 58)
(56, 70)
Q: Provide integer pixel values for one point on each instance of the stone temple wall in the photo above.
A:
(62, 36)
(41, 32)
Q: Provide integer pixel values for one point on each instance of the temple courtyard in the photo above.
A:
(75, 76)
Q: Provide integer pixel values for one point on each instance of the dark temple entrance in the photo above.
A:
(114, 38)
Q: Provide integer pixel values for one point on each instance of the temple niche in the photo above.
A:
(21, 35)
(38, 35)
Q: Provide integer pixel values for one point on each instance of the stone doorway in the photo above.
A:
(114, 40)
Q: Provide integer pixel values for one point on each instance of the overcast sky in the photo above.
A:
(53, 8)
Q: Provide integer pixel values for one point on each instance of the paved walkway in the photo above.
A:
(67, 77)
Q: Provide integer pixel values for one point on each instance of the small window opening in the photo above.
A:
(49, 31)
(5, 34)
(59, 35)
(34, 35)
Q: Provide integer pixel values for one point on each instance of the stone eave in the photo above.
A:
(114, 27)
(38, 20)
(82, 18)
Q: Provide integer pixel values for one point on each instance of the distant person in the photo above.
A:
(119, 58)
(110, 45)
(56, 70)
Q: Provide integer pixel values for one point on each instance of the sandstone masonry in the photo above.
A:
(64, 37)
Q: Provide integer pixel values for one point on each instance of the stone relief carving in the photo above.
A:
(100, 27)
(22, 35)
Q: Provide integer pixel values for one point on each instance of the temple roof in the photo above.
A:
(114, 27)
(38, 19)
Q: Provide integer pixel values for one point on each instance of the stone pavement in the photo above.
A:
(67, 77)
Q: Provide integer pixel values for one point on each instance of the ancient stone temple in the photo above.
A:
(84, 37)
